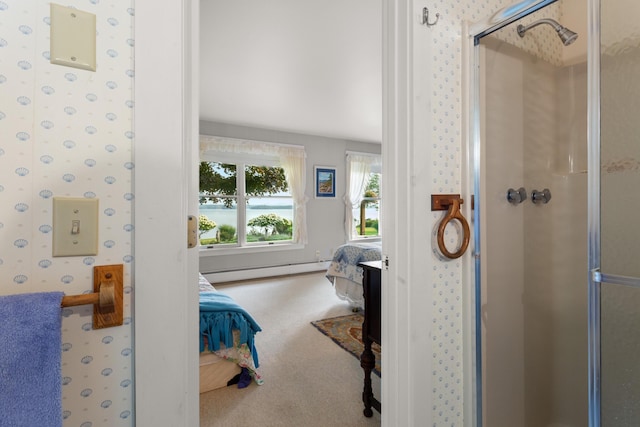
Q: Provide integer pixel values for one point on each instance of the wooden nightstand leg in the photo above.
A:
(368, 362)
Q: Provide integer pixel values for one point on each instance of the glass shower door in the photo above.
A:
(618, 289)
(533, 216)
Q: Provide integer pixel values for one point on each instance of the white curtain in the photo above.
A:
(358, 174)
(292, 159)
(294, 169)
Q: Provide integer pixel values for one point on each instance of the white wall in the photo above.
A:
(325, 217)
(67, 132)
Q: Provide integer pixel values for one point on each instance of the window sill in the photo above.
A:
(236, 250)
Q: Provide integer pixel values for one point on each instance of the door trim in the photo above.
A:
(165, 123)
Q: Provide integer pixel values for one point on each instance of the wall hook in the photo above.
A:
(425, 18)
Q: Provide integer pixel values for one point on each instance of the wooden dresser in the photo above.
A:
(371, 327)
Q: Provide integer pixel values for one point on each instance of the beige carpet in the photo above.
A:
(308, 380)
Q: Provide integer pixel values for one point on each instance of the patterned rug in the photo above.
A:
(346, 331)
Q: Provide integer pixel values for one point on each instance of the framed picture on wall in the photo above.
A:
(325, 181)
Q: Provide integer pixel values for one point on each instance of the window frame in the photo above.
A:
(243, 157)
(358, 237)
(375, 166)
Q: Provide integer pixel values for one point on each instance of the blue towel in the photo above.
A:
(30, 354)
(219, 316)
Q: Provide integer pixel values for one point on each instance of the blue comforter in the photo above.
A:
(219, 316)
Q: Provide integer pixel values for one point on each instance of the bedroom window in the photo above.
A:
(251, 195)
(363, 196)
(367, 215)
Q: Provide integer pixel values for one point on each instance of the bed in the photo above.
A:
(344, 273)
(227, 342)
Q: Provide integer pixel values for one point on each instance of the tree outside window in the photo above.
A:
(367, 216)
(248, 208)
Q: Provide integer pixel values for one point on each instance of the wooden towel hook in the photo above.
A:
(106, 298)
(451, 203)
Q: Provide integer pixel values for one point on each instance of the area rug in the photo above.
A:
(346, 331)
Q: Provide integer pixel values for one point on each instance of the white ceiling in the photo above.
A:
(306, 66)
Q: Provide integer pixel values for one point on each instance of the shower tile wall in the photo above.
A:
(67, 132)
(503, 248)
(555, 295)
(568, 262)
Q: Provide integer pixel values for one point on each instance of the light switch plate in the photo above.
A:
(75, 226)
(73, 37)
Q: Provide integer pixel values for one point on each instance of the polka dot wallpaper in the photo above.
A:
(68, 132)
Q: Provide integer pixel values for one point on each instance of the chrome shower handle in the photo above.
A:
(515, 197)
(541, 196)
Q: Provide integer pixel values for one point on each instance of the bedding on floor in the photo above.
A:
(228, 331)
(344, 273)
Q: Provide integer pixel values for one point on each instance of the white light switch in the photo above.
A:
(75, 226)
(73, 37)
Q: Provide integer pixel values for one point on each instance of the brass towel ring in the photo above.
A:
(453, 213)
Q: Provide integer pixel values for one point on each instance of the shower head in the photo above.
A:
(566, 35)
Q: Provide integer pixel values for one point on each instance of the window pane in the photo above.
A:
(269, 219)
(218, 203)
(373, 187)
(265, 180)
(224, 214)
(369, 211)
(218, 179)
(367, 217)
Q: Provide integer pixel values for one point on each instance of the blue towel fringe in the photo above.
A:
(219, 316)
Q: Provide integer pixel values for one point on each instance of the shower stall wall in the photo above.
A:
(534, 295)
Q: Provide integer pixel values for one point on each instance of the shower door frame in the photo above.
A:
(471, 181)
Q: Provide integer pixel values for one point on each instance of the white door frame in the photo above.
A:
(166, 159)
(165, 154)
(406, 350)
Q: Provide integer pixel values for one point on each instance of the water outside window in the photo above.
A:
(252, 208)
